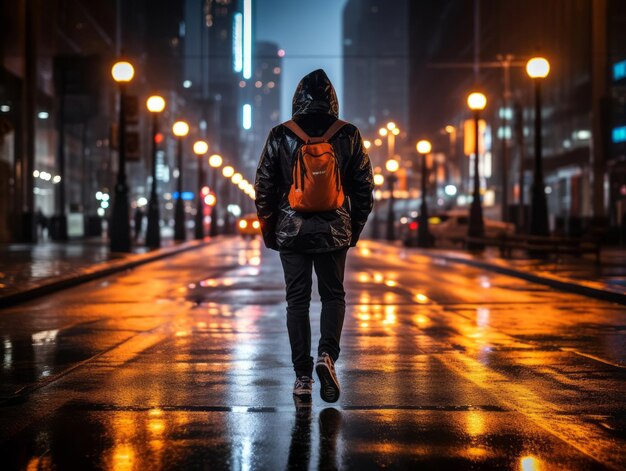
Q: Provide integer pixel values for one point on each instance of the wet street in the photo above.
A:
(184, 363)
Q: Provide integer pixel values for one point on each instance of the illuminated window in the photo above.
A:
(238, 42)
(247, 116)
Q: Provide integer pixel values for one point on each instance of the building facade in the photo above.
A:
(581, 38)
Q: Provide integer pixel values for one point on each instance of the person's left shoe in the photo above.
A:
(325, 369)
(303, 387)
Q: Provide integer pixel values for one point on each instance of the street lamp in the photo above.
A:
(538, 68)
(476, 102)
(392, 167)
(228, 172)
(155, 105)
(122, 73)
(379, 180)
(424, 237)
(215, 161)
(180, 129)
(200, 148)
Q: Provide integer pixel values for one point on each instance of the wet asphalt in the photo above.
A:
(184, 363)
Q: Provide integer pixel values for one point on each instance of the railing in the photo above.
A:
(539, 245)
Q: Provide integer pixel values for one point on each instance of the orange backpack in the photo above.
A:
(316, 183)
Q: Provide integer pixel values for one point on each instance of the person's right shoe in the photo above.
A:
(325, 369)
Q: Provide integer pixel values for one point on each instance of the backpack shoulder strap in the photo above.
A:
(333, 129)
(297, 130)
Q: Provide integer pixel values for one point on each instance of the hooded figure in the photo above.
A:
(319, 240)
(315, 108)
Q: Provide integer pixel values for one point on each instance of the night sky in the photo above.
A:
(307, 47)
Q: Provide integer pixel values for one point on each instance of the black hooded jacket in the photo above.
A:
(315, 108)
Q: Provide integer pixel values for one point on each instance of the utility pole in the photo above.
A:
(505, 60)
(26, 161)
(599, 107)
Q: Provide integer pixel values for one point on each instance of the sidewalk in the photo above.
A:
(582, 275)
(30, 270)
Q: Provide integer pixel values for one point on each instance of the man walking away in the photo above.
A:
(313, 195)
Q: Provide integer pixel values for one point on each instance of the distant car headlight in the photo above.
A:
(243, 224)
(256, 224)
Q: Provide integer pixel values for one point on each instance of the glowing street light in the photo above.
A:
(215, 161)
(155, 105)
(383, 132)
(200, 148)
(236, 178)
(367, 144)
(228, 171)
(424, 237)
(180, 129)
(391, 125)
(476, 229)
(392, 166)
(122, 72)
(538, 69)
(379, 180)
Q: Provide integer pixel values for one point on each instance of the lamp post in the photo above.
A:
(227, 172)
(538, 68)
(200, 148)
(476, 229)
(215, 161)
(122, 73)
(155, 105)
(424, 237)
(392, 167)
(180, 129)
(379, 180)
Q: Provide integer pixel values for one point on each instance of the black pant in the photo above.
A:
(329, 268)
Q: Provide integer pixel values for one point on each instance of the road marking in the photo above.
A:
(586, 438)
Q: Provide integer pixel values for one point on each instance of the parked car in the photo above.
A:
(249, 226)
(453, 226)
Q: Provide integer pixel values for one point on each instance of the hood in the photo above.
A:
(315, 94)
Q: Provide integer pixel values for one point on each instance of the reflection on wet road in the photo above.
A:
(184, 364)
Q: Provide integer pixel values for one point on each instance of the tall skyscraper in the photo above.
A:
(375, 65)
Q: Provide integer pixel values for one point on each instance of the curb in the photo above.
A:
(89, 274)
(553, 282)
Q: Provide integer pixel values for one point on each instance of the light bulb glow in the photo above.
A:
(538, 67)
(123, 72)
(155, 104)
(392, 165)
(200, 147)
(423, 146)
(379, 179)
(228, 171)
(383, 131)
(236, 178)
(180, 129)
(215, 160)
(476, 101)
